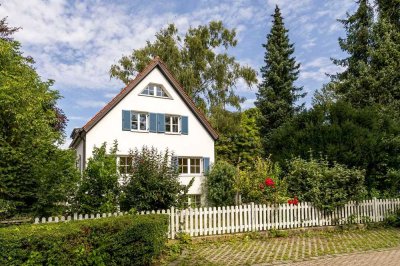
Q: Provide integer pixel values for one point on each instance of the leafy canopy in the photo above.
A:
(209, 77)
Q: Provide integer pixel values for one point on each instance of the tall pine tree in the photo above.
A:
(277, 93)
(354, 84)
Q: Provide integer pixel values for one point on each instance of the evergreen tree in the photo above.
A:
(385, 55)
(354, 84)
(277, 93)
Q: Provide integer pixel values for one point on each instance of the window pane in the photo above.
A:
(183, 165)
(175, 121)
(167, 123)
(195, 166)
(146, 91)
(151, 90)
(143, 119)
(134, 122)
(159, 91)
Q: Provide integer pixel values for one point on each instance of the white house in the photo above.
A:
(152, 110)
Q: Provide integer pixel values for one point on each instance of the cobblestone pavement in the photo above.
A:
(375, 258)
(301, 249)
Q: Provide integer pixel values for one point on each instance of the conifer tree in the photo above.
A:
(354, 84)
(277, 93)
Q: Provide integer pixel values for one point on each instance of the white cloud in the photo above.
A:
(318, 68)
(249, 103)
(90, 103)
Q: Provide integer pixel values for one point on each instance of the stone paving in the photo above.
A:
(272, 251)
(375, 258)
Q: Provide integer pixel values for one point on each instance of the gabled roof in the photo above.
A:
(156, 62)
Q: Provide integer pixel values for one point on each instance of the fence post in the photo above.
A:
(172, 222)
(375, 210)
(253, 222)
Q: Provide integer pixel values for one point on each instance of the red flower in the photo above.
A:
(269, 182)
(293, 201)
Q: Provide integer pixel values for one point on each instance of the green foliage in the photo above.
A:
(208, 77)
(361, 138)
(123, 240)
(393, 219)
(327, 186)
(257, 191)
(277, 93)
(220, 184)
(99, 188)
(240, 145)
(152, 183)
(35, 175)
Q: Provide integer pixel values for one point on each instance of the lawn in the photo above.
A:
(278, 247)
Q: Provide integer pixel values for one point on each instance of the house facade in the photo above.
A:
(153, 110)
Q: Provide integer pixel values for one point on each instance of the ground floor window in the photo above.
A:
(124, 164)
(189, 165)
(194, 201)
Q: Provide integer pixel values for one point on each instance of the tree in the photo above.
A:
(354, 84)
(6, 31)
(99, 187)
(209, 78)
(153, 182)
(31, 162)
(390, 11)
(241, 145)
(364, 138)
(277, 93)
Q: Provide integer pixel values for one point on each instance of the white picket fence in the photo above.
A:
(252, 217)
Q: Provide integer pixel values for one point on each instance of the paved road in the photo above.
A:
(374, 258)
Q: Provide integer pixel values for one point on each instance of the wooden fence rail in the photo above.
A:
(252, 217)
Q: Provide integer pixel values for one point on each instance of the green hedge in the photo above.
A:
(123, 240)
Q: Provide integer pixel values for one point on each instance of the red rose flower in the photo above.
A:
(269, 182)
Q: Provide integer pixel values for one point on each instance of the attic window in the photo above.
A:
(155, 90)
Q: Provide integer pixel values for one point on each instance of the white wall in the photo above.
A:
(198, 142)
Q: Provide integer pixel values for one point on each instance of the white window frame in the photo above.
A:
(189, 164)
(126, 172)
(170, 117)
(154, 87)
(138, 114)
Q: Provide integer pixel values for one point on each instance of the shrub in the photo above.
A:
(123, 240)
(393, 219)
(153, 181)
(326, 186)
(99, 188)
(220, 184)
(274, 191)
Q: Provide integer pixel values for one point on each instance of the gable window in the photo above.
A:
(139, 121)
(172, 123)
(189, 165)
(124, 165)
(155, 90)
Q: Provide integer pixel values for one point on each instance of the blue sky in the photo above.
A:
(76, 42)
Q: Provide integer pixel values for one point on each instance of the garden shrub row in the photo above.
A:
(123, 240)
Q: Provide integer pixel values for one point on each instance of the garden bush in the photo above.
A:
(327, 186)
(220, 184)
(123, 240)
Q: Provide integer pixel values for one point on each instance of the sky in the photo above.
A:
(74, 43)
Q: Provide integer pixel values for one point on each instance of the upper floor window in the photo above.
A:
(155, 90)
(172, 124)
(139, 121)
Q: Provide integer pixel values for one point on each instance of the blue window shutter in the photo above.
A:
(126, 120)
(160, 123)
(206, 164)
(153, 122)
(185, 125)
